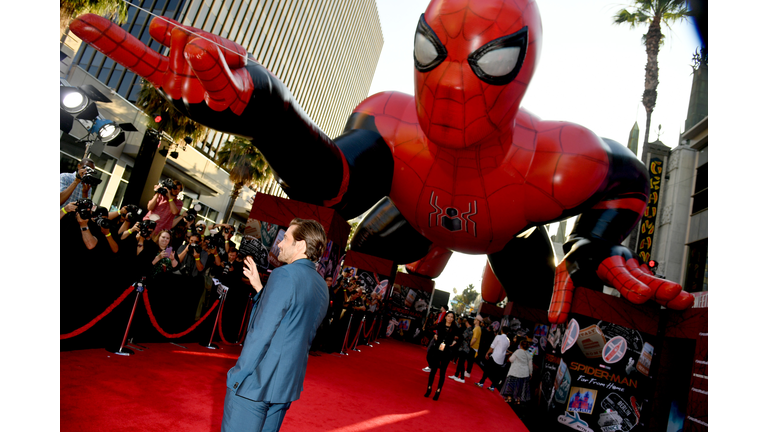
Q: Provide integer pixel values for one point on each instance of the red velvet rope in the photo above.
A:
(98, 318)
(367, 334)
(176, 335)
(221, 335)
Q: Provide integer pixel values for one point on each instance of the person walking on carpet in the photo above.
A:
(269, 374)
(517, 386)
(445, 341)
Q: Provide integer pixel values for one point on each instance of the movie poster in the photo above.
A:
(602, 381)
(409, 307)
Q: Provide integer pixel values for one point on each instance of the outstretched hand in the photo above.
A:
(200, 67)
(618, 268)
(251, 272)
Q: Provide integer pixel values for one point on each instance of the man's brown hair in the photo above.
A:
(313, 233)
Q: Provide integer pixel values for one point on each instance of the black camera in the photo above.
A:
(196, 247)
(133, 213)
(103, 222)
(145, 226)
(191, 215)
(84, 208)
(164, 186)
(227, 267)
(200, 228)
(89, 177)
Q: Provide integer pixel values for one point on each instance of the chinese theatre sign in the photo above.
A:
(648, 223)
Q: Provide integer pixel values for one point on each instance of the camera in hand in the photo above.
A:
(191, 215)
(196, 247)
(84, 207)
(145, 226)
(103, 222)
(133, 213)
(164, 186)
(89, 177)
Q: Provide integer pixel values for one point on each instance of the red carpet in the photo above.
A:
(168, 388)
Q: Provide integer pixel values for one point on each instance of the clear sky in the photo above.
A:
(590, 72)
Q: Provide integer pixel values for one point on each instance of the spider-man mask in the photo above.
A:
(474, 60)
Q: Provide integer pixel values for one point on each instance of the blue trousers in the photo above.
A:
(242, 414)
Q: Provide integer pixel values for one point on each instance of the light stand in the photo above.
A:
(222, 290)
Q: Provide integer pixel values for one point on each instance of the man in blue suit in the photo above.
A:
(269, 374)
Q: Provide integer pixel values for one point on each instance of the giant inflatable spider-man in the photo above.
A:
(457, 167)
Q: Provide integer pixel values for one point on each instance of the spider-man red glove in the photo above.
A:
(200, 67)
(593, 263)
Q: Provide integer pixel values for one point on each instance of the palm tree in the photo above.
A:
(71, 9)
(246, 166)
(652, 13)
(175, 124)
(116, 10)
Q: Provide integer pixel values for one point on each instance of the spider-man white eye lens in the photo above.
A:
(428, 51)
(423, 50)
(499, 61)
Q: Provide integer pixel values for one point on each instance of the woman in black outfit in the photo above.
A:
(446, 340)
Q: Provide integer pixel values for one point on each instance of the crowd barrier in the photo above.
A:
(349, 344)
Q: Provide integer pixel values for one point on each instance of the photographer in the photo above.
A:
(223, 234)
(165, 259)
(71, 185)
(182, 228)
(101, 218)
(129, 215)
(192, 264)
(165, 204)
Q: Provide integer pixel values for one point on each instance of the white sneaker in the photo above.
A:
(427, 369)
(466, 375)
(458, 380)
(452, 377)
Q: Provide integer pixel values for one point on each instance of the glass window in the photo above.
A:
(700, 198)
(696, 270)
(117, 201)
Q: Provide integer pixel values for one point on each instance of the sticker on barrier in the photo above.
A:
(571, 336)
(614, 349)
(629, 413)
(582, 400)
(573, 421)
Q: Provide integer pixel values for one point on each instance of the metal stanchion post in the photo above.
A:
(357, 335)
(222, 290)
(346, 336)
(123, 350)
(245, 314)
(368, 338)
(378, 330)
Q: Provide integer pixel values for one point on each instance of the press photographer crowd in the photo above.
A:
(177, 257)
(169, 250)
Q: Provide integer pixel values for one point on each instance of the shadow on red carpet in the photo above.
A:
(168, 388)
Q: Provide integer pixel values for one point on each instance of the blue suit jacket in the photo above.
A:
(289, 310)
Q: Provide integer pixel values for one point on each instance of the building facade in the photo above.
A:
(682, 229)
(326, 53)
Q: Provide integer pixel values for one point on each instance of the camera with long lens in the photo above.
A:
(89, 177)
(191, 215)
(145, 226)
(103, 222)
(165, 185)
(133, 213)
(84, 208)
(196, 247)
